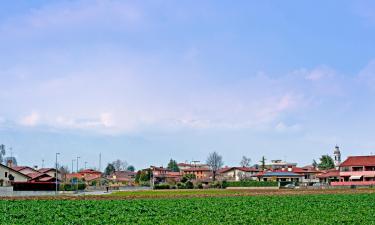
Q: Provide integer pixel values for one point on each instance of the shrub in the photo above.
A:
(72, 187)
(181, 186)
(162, 186)
(199, 186)
(189, 185)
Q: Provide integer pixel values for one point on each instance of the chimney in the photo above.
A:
(10, 163)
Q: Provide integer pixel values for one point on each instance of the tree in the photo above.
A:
(172, 165)
(109, 169)
(326, 162)
(315, 164)
(11, 158)
(263, 163)
(120, 165)
(245, 162)
(2, 153)
(63, 170)
(215, 162)
(130, 168)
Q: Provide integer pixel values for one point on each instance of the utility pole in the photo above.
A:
(100, 162)
(85, 164)
(73, 160)
(42, 163)
(77, 171)
(56, 173)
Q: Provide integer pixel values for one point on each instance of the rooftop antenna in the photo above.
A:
(42, 163)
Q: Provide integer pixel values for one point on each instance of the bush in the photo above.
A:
(181, 186)
(72, 187)
(199, 186)
(162, 186)
(189, 185)
(251, 184)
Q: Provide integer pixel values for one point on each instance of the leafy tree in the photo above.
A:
(172, 165)
(109, 169)
(326, 162)
(245, 162)
(63, 170)
(119, 165)
(2, 153)
(263, 163)
(315, 164)
(188, 177)
(215, 162)
(131, 168)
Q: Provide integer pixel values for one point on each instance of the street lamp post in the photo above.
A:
(56, 179)
(77, 172)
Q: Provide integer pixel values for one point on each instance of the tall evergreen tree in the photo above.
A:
(172, 165)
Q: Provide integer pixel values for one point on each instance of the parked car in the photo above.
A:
(290, 186)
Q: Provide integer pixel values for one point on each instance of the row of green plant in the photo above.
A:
(297, 209)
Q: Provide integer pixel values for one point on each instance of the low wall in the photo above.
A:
(354, 183)
(252, 188)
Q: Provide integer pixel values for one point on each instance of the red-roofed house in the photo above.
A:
(50, 171)
(328, 176)
(161, 175)
(24, 169)
(41, 177)
(201, 173)
(237, 173)
(357, 170)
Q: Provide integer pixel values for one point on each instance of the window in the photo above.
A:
(6, 174)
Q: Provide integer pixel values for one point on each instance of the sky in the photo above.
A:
(146, 81)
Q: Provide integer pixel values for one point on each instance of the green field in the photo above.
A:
(286, 209)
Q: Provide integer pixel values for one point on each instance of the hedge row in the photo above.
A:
(72, 187)
(250, 184)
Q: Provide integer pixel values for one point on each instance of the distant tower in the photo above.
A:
(337, 156)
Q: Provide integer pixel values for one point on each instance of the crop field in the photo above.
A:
(264, 209)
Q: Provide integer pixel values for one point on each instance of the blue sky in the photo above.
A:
(146, 81)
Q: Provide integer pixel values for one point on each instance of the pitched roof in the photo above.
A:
(90, 171)
(37, 175)
(18, 168)
(244, 169)
(329, 173)
(359, 161)
(13, 170)
(193, 169)
(45, 170)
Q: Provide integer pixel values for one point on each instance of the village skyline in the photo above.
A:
(146, 82)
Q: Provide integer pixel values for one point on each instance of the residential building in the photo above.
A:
(309, 174)
(358, 169)
(51, 172)
(122, 177)
(201, 173)
(162, 175)
(237, 173)
(279, 176)
(279, 164)
(9, 175)
(328, 176)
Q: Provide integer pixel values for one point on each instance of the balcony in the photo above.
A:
(358, 173)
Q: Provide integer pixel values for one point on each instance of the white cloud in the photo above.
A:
(319, 73)
(30, 120)
(367, 74)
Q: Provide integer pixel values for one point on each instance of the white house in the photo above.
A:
(238, 173)
(8, 175)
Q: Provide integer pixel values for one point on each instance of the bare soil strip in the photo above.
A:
(194, 194)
